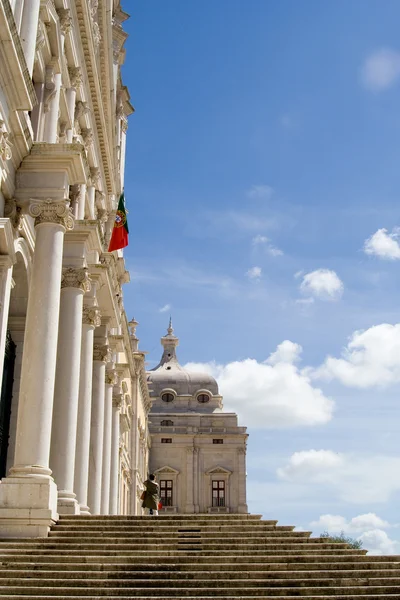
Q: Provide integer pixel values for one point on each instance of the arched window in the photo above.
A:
(167, 397)
(167, 423)
(203, 398)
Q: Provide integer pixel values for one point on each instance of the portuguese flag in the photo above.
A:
(119, 237)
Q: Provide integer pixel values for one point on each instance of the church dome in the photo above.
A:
(169, 375)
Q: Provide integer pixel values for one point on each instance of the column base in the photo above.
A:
(243, 508)
(85, 510)
(67, 503)
(28, 506)
(189, 509)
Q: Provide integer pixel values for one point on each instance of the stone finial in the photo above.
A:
(75, 76)
(170, 328)
(91, 315)
(76, 278)
(132, 334)
(101, 352)
(64, 14)
(51, 211)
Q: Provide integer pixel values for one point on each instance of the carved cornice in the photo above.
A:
(50, 211)
(75, 76)
(64, 14)
(91, 316)
(75, 278)
(101, 352)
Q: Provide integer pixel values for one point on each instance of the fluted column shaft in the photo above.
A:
(91, 319)
(100, 357)
(114, 478)
(74, 283)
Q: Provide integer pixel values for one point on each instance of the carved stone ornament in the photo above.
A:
(50, 211)
(101, 352)
(99, 199)
(95, 176)
(13, 212)
(124, 125)
(189, 450)
(62, 131)
(241, 450)
(102, 215)
(5, 144)
(88, 137)
(50, 88)
(64, 14)
(96, 35)
(75, 76)
(94, 5)
(81, 108)
(91, 316)
(40, 38)
(111, 377)
(75, 278)
(117, 401)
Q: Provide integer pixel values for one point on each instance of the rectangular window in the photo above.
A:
(166, 440)
(218, 493)
(218, 441)
(166, 487)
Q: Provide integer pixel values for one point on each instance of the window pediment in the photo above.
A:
(166, 471)
(218, 471)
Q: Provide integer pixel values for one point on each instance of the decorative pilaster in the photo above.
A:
(189, 479)
(90, 320)
(28, 497)
(196, 500)
(114, 467)
(242, 475)
(111, 379)
(101, 355)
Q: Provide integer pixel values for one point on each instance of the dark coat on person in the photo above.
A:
(151, 495)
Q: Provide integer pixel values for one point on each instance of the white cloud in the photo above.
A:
(381, 70)
(359, 524)
(262, 240)
(298, 274)
(164, 308)
(260, 191)
(259, 239)
(254, 273)
(371, 358)
(352, 478)
(323, 284)
(379, 543)
(305, 301)
(384, 244)
(273, 394)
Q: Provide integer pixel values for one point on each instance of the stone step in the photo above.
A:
(104, 552)
(175, 517)
(183, 592)
(149, 540)
(205, 597)
(161, 529)
(110, 534)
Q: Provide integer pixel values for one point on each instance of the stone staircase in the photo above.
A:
(189, 556)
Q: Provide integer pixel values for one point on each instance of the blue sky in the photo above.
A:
(262, 185)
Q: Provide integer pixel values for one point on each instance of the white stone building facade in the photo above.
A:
(198, 452)
(74, 399)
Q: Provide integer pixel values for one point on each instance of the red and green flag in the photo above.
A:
(119, 237)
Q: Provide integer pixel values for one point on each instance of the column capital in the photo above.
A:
(91, 315)
(111, 377)
(101, 352)
(64, 14)
(75, 76)
(51, 211)
(75, 278)
(117, 401)
(189, 450)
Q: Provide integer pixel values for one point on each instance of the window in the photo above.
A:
(203, 398)
(218, 441)
(166, 487)
(166, 440)
(168, 397)
(167, 423)
(218, 493)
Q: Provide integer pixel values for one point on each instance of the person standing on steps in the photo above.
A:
(151, 495)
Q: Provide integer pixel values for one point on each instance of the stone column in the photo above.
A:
(5, 291)
(110, 381)
(114, 477)
(196, 480)
(81, 202)
(91, 319)
(74, 283)
(101, 355)
(28, 497)
(189, 480)
(29, 26)
(242, 475)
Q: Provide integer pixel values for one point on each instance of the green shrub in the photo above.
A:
(343, 538)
